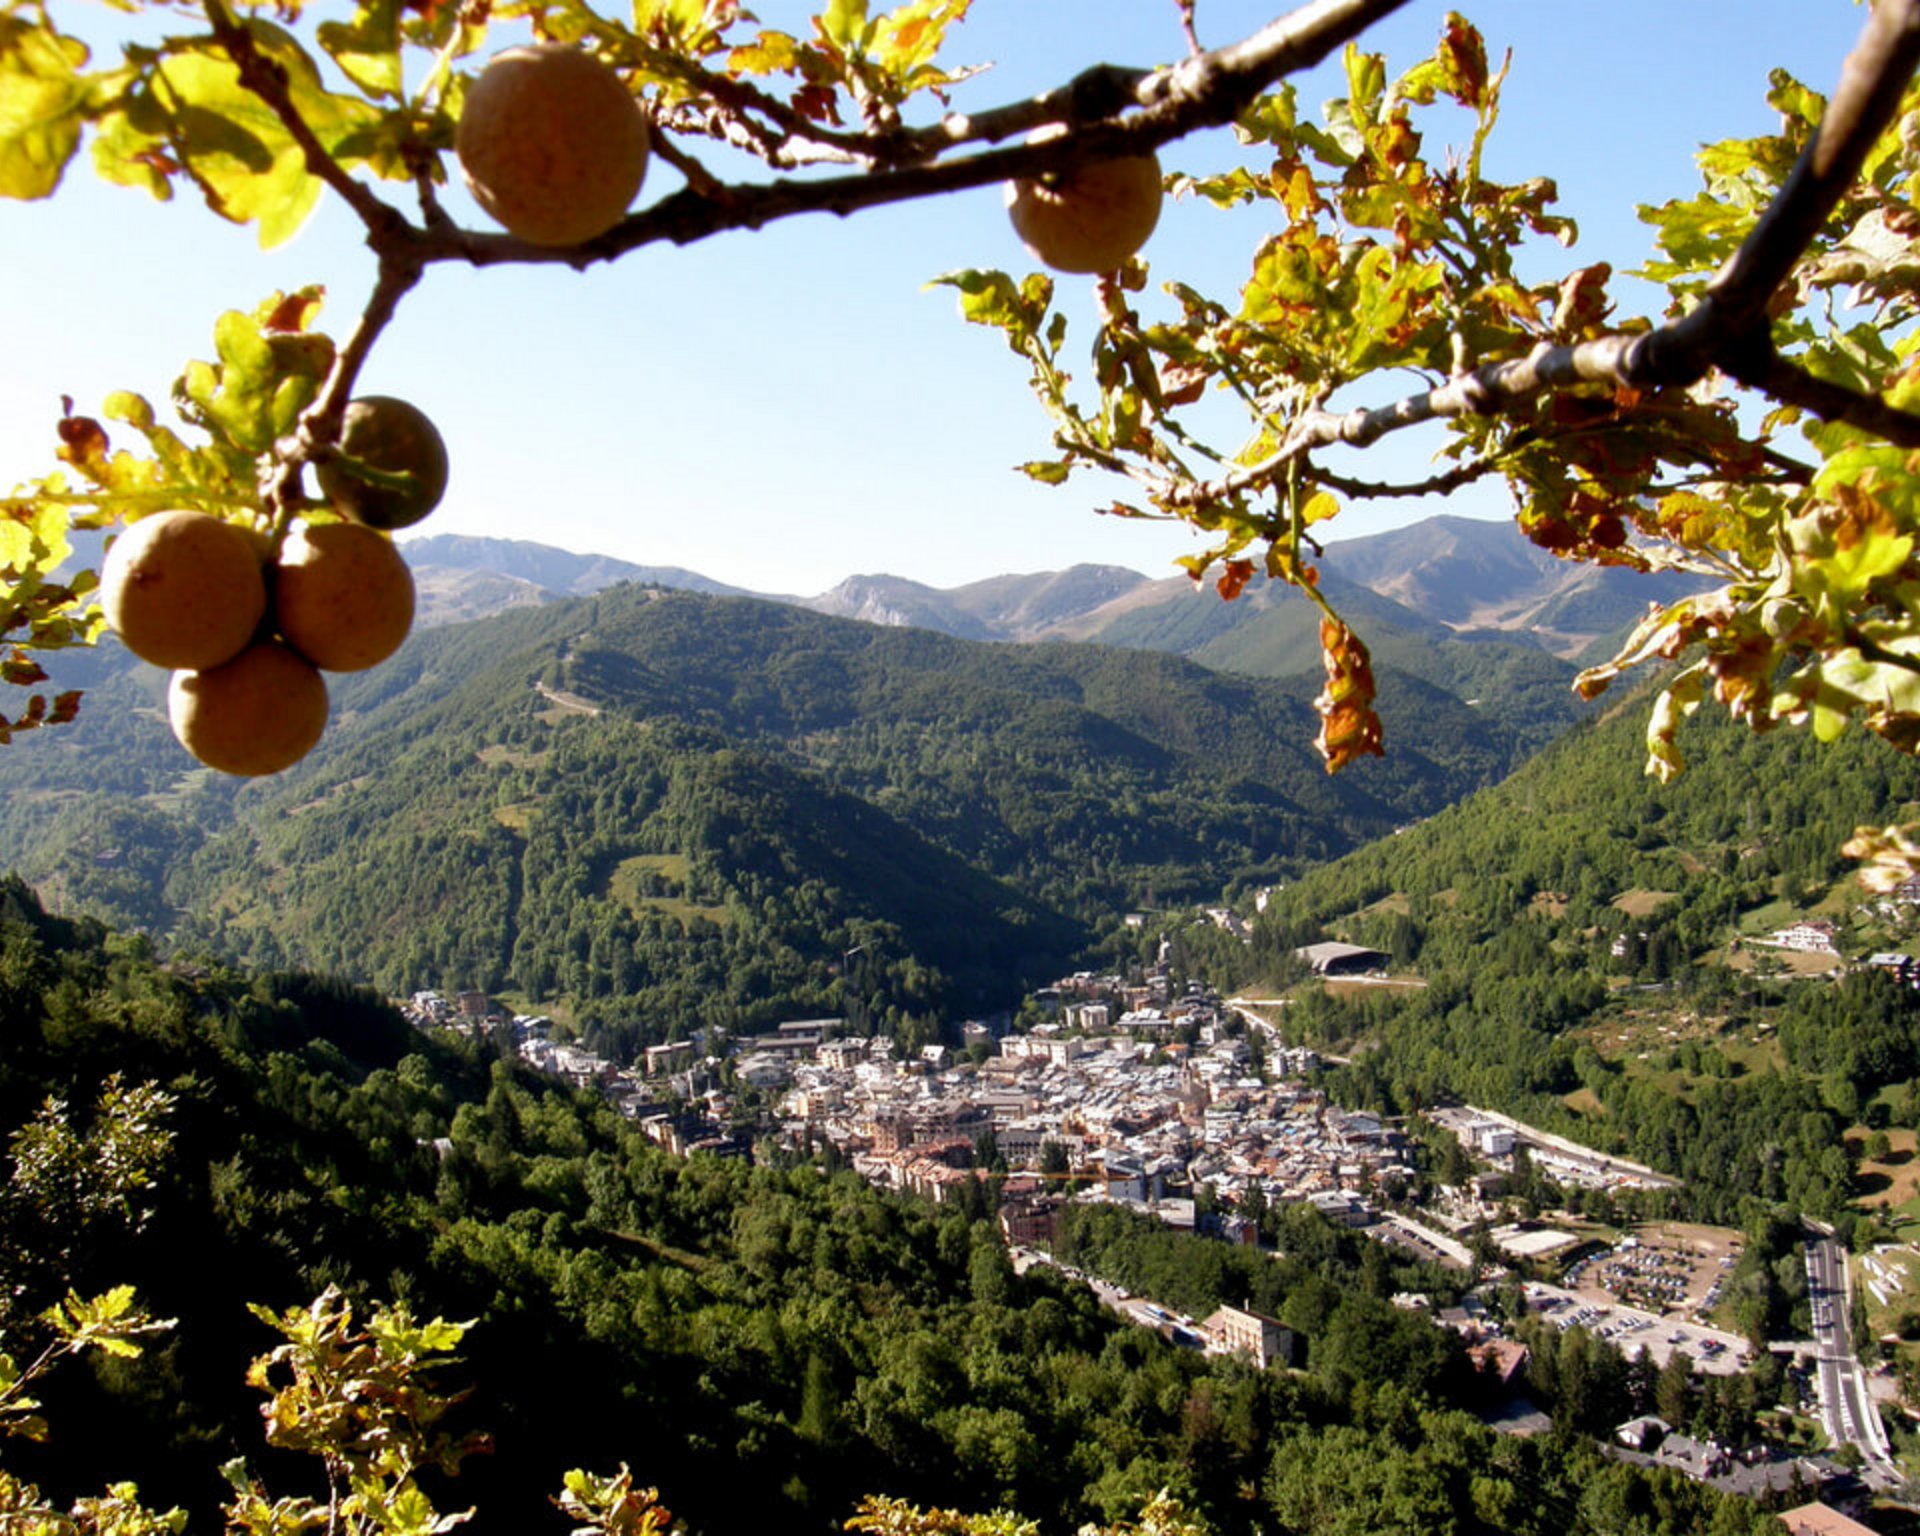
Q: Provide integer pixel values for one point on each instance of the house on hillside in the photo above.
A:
(1821, 1520)
(1264, 1340)
(1809, 936)
(1030, 1221)
(1903, 968)
(1341, 1208)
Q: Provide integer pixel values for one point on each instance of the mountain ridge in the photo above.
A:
(1472, 578)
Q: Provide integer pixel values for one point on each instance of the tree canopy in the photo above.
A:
(1757, 432)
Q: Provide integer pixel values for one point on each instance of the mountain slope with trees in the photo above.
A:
(664, 809)
(1592, 950)
(1469, 606)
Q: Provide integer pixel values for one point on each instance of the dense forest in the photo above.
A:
(701, 1319)
(649, 812)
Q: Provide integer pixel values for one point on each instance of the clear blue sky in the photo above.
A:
(786, 408)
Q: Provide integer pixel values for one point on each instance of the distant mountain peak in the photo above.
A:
(897, 601)
(559, 571)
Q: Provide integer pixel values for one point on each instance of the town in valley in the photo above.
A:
(1193, 1109)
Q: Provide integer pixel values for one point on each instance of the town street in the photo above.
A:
(1845, 1406)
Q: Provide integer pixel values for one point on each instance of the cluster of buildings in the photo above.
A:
(1820, 937)
(1125, 1093)
(1763, 1473)
(1117, 1098)
(681, 1122)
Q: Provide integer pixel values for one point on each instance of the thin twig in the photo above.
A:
(1877, 653)
(1374, 490)
(317, 433)
(746, 98)
(698, 178)
(267, 79)
(1187, 26)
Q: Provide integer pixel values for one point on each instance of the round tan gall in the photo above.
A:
(552, 144)
(396, 437)
(1090, 217)
(183, 589)
(342, 595)
(256, 714)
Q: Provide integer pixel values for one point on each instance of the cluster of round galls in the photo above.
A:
(248, 637)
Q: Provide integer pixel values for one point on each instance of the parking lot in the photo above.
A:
(1665, 1268)
(1632, 1330)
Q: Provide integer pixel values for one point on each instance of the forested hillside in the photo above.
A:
(1468, 606)
(661, 810)
(1697, 1046)
(1515, 685)
(764, 1344)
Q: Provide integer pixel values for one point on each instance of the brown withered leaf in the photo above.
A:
(1349, 728)
(1466, 59)
(293, 311)
(83, 440)
(817, 103)
(1582, 303)
(1182, 383)
(1234, 578)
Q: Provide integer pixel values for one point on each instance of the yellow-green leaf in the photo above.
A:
(1319, 507)
(772, 53)
(249, 165)
(42, 106)
(367, 49)
(844, 22)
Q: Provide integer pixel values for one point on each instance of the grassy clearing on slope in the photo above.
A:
(1395, 904)
(505, 757)
(1888, 1283)
(1584, 1101)
(1893, 1181)
(517, 817)
(1643, 903)
(654, 883)
(1357, 986)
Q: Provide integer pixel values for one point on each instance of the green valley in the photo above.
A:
(664, 809)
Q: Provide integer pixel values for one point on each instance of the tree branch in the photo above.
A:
(317, 433)
(1728, 329)
(746, 98)
(1873, 651)
(1114, 112)
(1865, 101)
(1790, 384)
(1375, 490)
